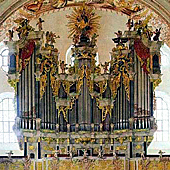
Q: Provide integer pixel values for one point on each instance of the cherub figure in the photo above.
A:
(100, 155)
(39, 23)
(56, 154)
(135, 26)
(75, 39)
(94, 39)
(85, 153)
(157, 34)
(115, 156)
(24, 28)
(50, 37)
(147, 32)
(53, 37)
(62, 66)
(71, 69)
(105, 67)
(143, 154)
(160, 153)
(98, 69)
(139, 27)
(129, 24)
(119, 35)
(10, 34)
(71, 154)
(47, 37)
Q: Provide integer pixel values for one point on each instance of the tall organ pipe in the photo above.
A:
(139, 88)
(135, 86)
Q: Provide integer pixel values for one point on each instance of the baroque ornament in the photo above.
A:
(121, 66)
(83, 23)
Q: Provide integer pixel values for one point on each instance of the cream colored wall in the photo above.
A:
(4, 86)
(110, 22)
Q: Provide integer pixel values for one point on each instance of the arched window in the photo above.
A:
(162, 119)
(4, 57)
(8, 139)
(7, 117)
(161, 139)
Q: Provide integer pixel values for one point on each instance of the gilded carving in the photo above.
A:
(121, 131)
(105, 110)
(150, 138)
(49, 64)
(121, 139)
(64, 110)
(102, 85)
(78, 25)
(121, 67)
(48, 148)
(13, 83)
(31, 148)
(121, 147)
(138, 147)
(138, 138)
(32, 140)
(156, 82)
(84, 140)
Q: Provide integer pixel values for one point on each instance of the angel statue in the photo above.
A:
(23, 27)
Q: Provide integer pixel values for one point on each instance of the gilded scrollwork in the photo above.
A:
(13, 83)
(64, 110)
(105, 111)
(67, 85)
(120, 66)
(121, 139)
(156, 82)
(115, 84)
(102, 85)
(123, 147)
(48, 64)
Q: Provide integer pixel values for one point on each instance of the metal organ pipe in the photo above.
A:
(145, 101)
(135, 84)
(23, 95)
(143, 91)
(48, 101)
(148, 96)
(142, 99)
(33, 83)
(29, 85)
(26, 98)
(120, 106)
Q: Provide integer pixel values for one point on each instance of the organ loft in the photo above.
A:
(84, 108)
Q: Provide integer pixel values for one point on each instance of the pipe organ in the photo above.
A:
(85, 108)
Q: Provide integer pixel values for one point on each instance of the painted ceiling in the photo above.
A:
(114, 15)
